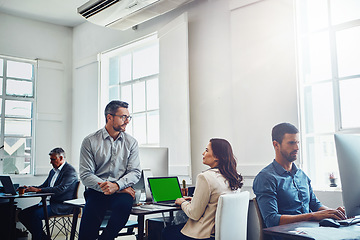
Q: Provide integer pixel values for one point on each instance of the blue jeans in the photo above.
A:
(97, 204)
(172, 232)
(32, 217)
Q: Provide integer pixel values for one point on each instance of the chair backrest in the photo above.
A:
(76, 190)
(231, 216)
(260, 219)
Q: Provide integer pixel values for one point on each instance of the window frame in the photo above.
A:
(331, 30)
(31, 99)
(129, 48)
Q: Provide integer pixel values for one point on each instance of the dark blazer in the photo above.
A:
(64, 189)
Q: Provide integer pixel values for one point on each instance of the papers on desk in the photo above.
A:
(152, 207)
(329, 233)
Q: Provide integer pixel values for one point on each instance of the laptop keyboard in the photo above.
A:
(151, 207)
(167, 203)
(349, 221)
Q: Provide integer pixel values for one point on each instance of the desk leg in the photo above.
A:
(74, 222)
(141, 222)
(12, 223)
(43, 200)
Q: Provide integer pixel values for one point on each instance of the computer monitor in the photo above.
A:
(155, 159)
(348, 155)
(154, 163)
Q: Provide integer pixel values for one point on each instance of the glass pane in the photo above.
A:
(18, 127)
(313, 15)
(1, 84)
(139, 130)
(344, 11)
(316, 60)
(349, 103)
(322, 159)
(152, 91)
(114, 92)
(153, 127)
(146, 62)
(129, 128)
(18, 109)
(114, 71)
(16, 165)
(125, 68)
(126, 96)
(17, 147)
(139, 97)
(1, 67)
(348, 51)
(319, 109)
(20, 88)
(19, 70)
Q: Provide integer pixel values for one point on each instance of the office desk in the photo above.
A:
(140, 213)
(30, 195)
(288, 231)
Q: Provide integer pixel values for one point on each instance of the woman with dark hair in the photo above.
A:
(221, 178)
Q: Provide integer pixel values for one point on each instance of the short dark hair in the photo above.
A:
(281, 129)
(112, 107)
(59, 151)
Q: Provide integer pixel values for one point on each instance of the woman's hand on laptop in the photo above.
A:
(179, 201)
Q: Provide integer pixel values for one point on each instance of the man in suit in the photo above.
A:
(62, 181)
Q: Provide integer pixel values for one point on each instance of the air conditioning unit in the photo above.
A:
(124, 14)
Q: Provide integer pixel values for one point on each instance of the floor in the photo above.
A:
(62, 237)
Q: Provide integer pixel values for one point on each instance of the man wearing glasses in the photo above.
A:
(109, 167)
(283, 191)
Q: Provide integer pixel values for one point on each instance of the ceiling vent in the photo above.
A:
(124, 14)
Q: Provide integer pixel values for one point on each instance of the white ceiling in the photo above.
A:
(60, 12)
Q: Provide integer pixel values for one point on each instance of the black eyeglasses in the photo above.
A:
(123, 117)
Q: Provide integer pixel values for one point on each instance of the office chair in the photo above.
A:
(63, 223)
(260, 220)
(231, 216)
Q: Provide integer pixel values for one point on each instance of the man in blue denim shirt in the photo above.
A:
(283, 191)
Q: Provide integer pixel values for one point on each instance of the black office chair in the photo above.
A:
(63, 223)
(260, 221)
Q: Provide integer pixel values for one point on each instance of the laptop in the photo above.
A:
(8, 185)
(164, 190)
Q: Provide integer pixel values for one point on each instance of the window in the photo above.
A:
(131, 74)
(329, 80)
(17, 80)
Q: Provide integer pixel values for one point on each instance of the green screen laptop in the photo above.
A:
(164, 190)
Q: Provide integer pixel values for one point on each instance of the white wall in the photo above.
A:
(52, 45)
(264, 78)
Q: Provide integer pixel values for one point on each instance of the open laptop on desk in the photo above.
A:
(9, 189)
(164, 190)
(8, 185)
